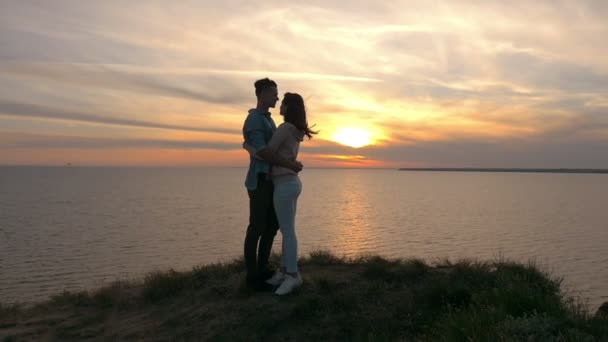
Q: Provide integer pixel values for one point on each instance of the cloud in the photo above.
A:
(34, 111)
(40, 141)
(210, 86)
(529, 70)
(180, 84)
(483, 153)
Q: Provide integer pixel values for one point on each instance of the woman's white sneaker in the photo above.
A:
(289, 284)
(276, 279)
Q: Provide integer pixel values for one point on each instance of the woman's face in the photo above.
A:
(283, 109)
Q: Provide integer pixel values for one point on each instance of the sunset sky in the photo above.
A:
(418, 83)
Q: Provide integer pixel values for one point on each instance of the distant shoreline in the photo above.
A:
(468, 169)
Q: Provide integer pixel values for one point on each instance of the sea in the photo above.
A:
(80, 228)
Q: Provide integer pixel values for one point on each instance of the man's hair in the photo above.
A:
(263, 84)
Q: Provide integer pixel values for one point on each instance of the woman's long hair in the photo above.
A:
(296, 113)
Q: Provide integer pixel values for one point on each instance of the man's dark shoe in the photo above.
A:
(259, 285)
(266, 274)
(262, 286)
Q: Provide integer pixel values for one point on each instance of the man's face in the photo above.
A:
(270, 96)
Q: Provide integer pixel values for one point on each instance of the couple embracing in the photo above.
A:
(273, 187)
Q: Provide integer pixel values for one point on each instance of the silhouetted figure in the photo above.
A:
(257, 131)
(285, 145)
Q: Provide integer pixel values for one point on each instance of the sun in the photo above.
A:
(353, 137)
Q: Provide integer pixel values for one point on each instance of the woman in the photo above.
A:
(285, 144)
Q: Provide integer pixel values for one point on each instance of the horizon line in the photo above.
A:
(491, 169)
(439, 169)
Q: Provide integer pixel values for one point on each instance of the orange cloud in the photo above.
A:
(348, 161)
(124, 157)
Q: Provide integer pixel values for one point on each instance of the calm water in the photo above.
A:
(79, 228)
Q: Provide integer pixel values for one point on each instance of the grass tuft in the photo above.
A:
(323, 258)
(164, 285)
(67, 298)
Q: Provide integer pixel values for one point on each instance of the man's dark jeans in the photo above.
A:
(263, 227)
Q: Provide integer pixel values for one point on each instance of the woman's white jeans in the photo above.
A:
(287, 188)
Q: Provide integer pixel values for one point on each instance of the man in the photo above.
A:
(257, 131)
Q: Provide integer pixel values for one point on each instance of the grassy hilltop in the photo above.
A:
(368, 298)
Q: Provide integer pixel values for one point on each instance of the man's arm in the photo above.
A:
(271, 157)
(266, 152)
(267, 155)
(253, 132)
(251, 150)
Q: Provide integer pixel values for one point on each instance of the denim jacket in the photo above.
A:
(257, 131)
